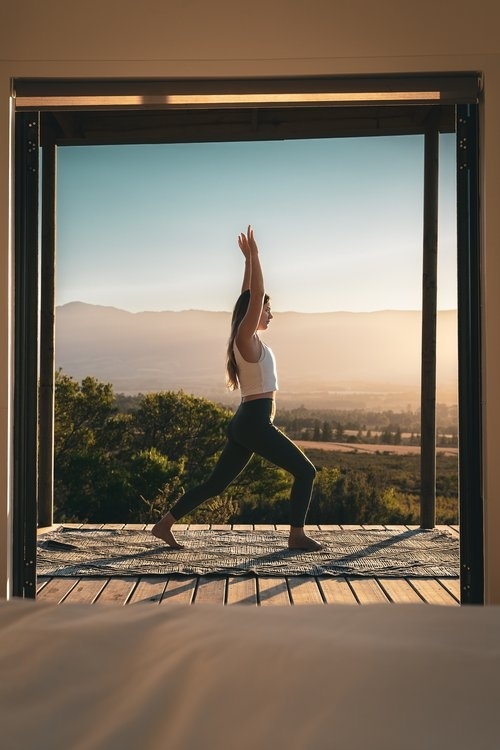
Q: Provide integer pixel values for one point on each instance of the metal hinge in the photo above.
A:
(32, 147)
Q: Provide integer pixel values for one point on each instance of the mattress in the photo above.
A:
(402, 677)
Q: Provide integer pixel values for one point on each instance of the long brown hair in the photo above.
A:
(239, 311)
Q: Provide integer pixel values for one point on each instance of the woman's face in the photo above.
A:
(265, 317)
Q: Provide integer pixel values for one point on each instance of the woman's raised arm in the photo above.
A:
(254, 281)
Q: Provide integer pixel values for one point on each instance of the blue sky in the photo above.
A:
(338, 222)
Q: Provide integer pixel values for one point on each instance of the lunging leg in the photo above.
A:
(232, 461)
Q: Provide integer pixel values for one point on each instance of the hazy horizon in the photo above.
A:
(363, 358)
(274, 310)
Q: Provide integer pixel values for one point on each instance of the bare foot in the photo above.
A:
(299, 540)
(163, 530)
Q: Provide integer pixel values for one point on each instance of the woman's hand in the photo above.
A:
(247, 243)
(249, 248)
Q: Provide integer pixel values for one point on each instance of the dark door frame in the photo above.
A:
(25, 356)
(469, 338)
(469, 357)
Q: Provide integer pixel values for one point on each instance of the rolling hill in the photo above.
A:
(351, 359)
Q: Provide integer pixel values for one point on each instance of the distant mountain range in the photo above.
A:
(325, 360)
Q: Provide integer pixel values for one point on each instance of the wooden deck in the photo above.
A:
(250, 590)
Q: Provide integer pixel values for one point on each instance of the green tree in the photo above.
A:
(263, 492)
(99, 476)
(327, 434)
(182, 427)
(156, 481)
(342, 496)
(89, 441)
(317, 430)
(83, 413)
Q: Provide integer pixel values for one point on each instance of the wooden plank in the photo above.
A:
(396, 527)
(91, 526)
(57, 589)
(399, 591)
(304, 590)
(41, 582)
(41, 530)
(373, 527)
(336, 590)
(70, 525)
(149, 590)
(196, 527)
(220, 527)
(273, 591)
(432, 592)
(117, 591)
(134, 526)
(115, 526)
(368, 591)
(86, 590)
(265, 527)
(452, 585)
(242, 590)
(210, 590)
(180, 589)
(243, 527)
(330, 527)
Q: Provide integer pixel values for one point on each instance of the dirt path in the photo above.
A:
(397, 450)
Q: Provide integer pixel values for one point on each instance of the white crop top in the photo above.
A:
(256, 377)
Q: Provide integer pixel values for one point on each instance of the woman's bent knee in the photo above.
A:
(312, 472)
(308, 471)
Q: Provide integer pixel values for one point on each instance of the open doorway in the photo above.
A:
(104, 128)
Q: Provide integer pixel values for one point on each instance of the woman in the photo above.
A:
(252, 368)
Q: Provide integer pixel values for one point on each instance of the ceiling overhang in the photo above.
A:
(97, 111)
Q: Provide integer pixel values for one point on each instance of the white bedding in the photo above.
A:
(394, 677)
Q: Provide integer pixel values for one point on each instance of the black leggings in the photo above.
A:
(251, 431)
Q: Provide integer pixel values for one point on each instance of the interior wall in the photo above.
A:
(5, 337)
(288, 33)
(193, 38)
